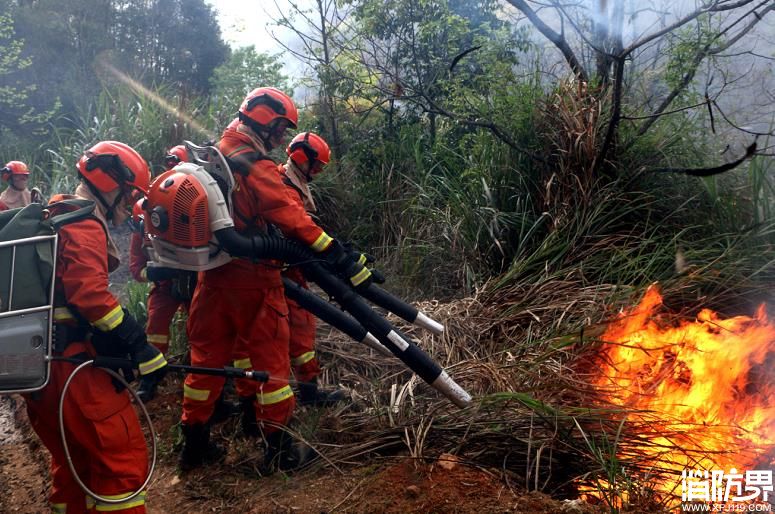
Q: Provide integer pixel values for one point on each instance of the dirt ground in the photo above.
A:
(396, 484)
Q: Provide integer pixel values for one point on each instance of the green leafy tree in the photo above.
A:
(432, 58)
(156, 42)
(16, 114)
(174, 42)
(244, 71)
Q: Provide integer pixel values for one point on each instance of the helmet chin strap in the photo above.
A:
(266, 140)
(109, 209)
(261, 131)
(308, 174)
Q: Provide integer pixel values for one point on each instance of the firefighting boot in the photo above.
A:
(248, 419)
(283, 453)
(197, 447)
(311, 394)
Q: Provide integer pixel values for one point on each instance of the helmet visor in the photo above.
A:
(111, 165)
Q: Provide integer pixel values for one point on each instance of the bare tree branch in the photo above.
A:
(710, 7)
(559, 41)
(741, 129)
(701, 54)
(708, 172)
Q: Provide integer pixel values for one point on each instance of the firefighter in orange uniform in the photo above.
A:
(16, 194)
(244, 301)
(307, 153)
(104, 434)
(166, 295)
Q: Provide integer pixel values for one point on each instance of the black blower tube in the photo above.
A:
(331, 314)
(324, 310)
(268, 247)
(262, 247)
(400, 308)
(272, 247)
(379, 296)
(408, 352)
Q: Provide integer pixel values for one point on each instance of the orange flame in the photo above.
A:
(708, 379)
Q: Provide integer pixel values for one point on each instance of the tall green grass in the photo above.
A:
(142, 121)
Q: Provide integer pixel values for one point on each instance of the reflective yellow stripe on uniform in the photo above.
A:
(303, 358)
(58, 508)
(137, 501)
(362, 259)
(158, 338)
(238, 150)
(322, 242)
(110, 320)
(359, 277)
(278, 396)
(199, 395)
(63, 314)
(152, 365)
(243, 363)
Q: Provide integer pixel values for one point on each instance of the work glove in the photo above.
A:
(105, 346)
(363, 259)
(149, 360)
(360, 257)
(377, 277)
(130, 338)
(343, 263)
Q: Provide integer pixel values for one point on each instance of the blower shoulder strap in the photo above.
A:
(242, 158)
(75, 209)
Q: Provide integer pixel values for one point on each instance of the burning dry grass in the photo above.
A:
(530, 356)
(510, 356)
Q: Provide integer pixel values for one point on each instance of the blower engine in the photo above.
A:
(185, 206)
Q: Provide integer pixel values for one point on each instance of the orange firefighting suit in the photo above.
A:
(302, 323)
(103, 432)
(302, 343)
(162, 302)
(243, 302)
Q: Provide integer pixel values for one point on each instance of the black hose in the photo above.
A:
(269, 247)
(262, 247)
(411, 355)
(400, 308)
(324, 310)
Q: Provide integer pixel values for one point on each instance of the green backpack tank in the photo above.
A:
(28, 238)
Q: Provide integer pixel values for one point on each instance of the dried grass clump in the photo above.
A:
(528, 354)
(511, 349)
